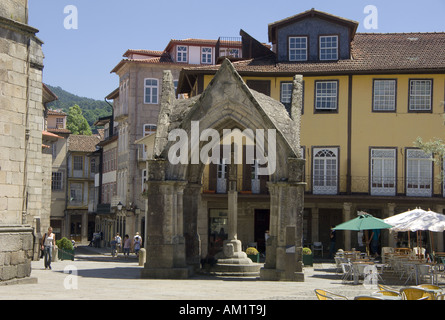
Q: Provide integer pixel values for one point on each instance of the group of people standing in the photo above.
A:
(126, 244)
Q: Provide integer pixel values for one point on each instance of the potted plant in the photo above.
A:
(65, 249)
(307, 257)
(253, 254)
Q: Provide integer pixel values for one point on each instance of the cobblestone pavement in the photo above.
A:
(101, 277)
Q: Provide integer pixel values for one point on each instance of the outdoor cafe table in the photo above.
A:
(358, 267)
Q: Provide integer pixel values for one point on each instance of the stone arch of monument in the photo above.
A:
(174, 182)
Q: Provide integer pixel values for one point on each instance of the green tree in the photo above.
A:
(77, 123)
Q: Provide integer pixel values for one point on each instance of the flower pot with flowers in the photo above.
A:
(253, 254)
(307, 257)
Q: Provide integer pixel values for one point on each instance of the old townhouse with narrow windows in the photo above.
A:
(136, 104)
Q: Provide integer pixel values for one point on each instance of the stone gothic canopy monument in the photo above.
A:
(173, 243)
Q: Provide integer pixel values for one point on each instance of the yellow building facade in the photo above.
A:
(364, 106)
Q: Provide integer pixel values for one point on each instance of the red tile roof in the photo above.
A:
(56, 113)
(82, 143)
(144, 52)
(371, 53)
(58, 130)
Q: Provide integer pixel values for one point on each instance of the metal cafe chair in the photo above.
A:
(327, 295)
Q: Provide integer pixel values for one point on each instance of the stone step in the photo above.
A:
(236, 270)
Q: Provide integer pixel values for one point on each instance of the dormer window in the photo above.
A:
(328, 47)
(206, 55)
(181, 54)
(297, 48)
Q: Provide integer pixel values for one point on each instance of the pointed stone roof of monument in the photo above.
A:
(226, 97)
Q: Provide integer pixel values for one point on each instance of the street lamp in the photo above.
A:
(119, 206)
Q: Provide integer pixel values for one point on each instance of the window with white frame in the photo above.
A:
(419, 166)
(223, 52)
(383, 172)
(181, 54)
(420, 95)
(286, 95)
(77, 163)
(93, 166)
(151, 90)
(384, 95)
(325, 170)
(54, 150)
(123, 96)
(149, 129)
(76, 193)
(326, 95)
(329, 48)
(234, 53)
(297, 48)
(57, 181)
(206, 55)
(255, 179)
(59, 123)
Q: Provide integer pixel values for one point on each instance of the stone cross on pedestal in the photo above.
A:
(232, 247)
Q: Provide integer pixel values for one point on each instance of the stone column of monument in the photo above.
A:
(191, 202)
(165, 245)
(285, 245)
(232, 248)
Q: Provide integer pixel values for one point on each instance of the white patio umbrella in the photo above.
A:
(417, 220)
(400, 221)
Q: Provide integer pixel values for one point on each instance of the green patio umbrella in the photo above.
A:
(363, 222)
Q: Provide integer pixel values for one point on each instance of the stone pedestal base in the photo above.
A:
(165, 273)
(234, 262)
(236, 270)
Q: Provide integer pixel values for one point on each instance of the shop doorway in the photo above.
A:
(76, 228)
(262, 221)
(330, 217)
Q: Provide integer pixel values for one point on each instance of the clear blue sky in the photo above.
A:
(80, 60)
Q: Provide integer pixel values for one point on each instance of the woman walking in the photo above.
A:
(47, 245)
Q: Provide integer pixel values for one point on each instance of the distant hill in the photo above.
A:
(91, 109)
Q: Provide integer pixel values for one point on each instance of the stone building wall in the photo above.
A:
(21, 124)
(16, 252)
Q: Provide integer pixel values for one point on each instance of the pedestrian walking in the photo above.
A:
(118, 244)
(137, 243)
(127, 246)
(47, 245)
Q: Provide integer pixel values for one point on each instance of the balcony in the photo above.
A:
(379, 187)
